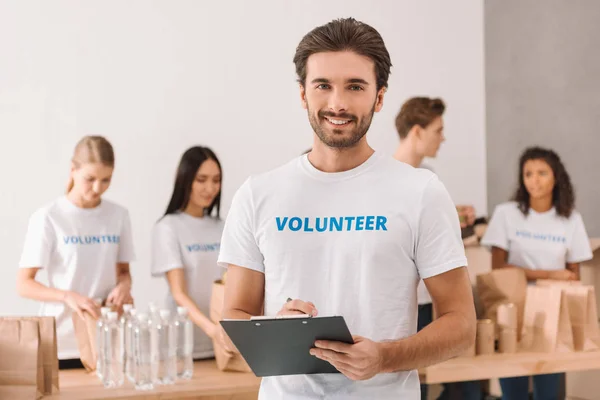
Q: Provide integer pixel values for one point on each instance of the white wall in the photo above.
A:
(157, 77)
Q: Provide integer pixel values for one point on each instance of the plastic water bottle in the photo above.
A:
(153, 313)
(129, 359)
(123, 322)
(166, 349)
(144, 353)
(100, 341)
(114, 356)
(184, 332)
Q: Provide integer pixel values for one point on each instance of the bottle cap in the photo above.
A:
(182, 311)
(112, 316)
(165, 314)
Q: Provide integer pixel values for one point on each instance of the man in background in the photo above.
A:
(420, 126)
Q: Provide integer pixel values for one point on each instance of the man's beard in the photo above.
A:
(336, 138)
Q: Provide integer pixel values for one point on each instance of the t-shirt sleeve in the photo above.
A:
(126, 251)
(579, 247)
(439, 247)
(238, 244)
(39, 242)
(166, 252)
(496, 234)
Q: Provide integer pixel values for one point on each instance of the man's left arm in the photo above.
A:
(450, 335)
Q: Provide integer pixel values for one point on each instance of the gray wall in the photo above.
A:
(543, 88)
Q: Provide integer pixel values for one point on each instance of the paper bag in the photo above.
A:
(21, 369)
(584, 317)
(48, 348)
(546, 321)
(85, 332)
(583, 313)
(506, 285)
(224, 362)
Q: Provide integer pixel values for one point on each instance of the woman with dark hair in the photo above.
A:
(541, 233)
(186, 242)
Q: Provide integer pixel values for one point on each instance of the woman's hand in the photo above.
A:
(79, 304)
(120, 295)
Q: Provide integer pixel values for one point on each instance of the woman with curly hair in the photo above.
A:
(541, 233)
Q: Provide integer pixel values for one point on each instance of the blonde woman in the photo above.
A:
(84, 243)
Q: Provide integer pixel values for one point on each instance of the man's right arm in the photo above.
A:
(244, 293)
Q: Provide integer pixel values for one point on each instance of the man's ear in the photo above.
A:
(379, 99)
(303, 96)
(416, 131)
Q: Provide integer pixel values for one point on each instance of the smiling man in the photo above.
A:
(347, 231)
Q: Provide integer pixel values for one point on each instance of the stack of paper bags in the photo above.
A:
(28, 357)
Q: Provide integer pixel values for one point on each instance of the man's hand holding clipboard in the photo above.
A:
(359, 361)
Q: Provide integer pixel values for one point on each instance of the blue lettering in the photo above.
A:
(307, 227)
(281, 223)
(319, 228)
(202, 247)
(337, 222)
(359, 223)
(66, 239)
(381, 221)
(298, 224)
(349, 224)
(331, 224)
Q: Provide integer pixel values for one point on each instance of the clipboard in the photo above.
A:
(281, 346)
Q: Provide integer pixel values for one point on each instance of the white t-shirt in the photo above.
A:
(79, 248)
(183, 241)
(540, 241)
(423, 296)
(355, 244)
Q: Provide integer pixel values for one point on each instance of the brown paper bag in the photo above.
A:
(21, 368)
(506, 285)
(583, 313)
(224, 362)
(48, 346)
(85, 332)
(546, 321)
(584, 317)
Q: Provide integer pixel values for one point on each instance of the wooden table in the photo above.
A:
(507, 365)
(208, 383)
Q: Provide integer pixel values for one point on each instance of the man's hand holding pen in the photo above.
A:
(295, 307)
(359, 361)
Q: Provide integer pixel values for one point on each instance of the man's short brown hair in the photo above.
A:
(345, 34)
(418, 111)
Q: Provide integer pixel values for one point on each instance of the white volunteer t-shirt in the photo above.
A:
(423, 296)
(79, 249)
(183, 241)
(355, 244)
(540, 241)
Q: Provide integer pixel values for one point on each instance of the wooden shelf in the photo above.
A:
(507, 365)
(208, 383)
